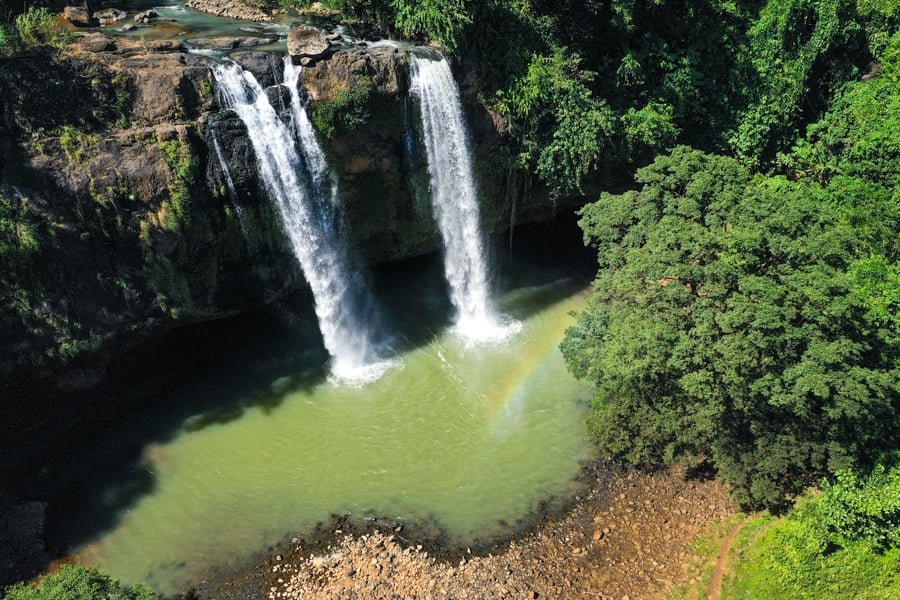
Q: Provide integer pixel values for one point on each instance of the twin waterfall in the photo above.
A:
(296, 175)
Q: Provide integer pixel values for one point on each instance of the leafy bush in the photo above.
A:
(854, 153)
(839, 544)
(853, 509)
(5, 40)
(77, 144)
(79, 583)
(801, 52)
(564, 129)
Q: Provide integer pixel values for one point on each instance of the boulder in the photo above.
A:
(146, 16)
(110, 16)
(317, 9)
(78, 16)
(386, 69)
(163, 45)
(307, 41)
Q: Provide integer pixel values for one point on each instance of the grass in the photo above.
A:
(183, 165)
(78, 583)
(785, 558)
(40, 27)
(773, 561)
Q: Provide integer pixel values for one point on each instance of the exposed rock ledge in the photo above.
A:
(631, 535)
(231, 8)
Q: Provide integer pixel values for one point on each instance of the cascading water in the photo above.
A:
(454, 198)
(300, 184)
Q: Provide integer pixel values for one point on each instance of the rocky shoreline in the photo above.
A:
(630, 535)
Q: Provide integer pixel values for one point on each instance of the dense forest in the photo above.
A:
(745, 316)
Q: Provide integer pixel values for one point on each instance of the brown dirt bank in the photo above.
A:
(629, 536)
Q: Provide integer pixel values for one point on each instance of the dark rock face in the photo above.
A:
(226, 130)
(21, 538)
(130, 242)
(266, 67)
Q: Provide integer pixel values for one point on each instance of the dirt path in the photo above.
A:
(714, 591)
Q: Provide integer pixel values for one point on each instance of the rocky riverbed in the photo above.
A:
(629, 536)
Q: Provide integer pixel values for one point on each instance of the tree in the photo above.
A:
(724, 326)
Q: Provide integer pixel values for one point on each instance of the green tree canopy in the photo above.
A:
(724, 324)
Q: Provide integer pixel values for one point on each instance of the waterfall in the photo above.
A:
(454, 198)
(297, 178)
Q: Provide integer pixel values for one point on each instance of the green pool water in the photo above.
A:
(467, 438)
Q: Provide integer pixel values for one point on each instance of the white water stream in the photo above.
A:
(455, 200)
(296, 175)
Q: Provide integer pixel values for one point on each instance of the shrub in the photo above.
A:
(79, 583)
(863, 509)
(440, 20)
(38, 26)
(77, 144)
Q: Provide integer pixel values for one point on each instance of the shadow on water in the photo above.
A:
(250, 363)
(214, 373)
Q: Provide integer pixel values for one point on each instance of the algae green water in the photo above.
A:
(467, 438)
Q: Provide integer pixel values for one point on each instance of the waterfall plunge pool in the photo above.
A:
(470, 440)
